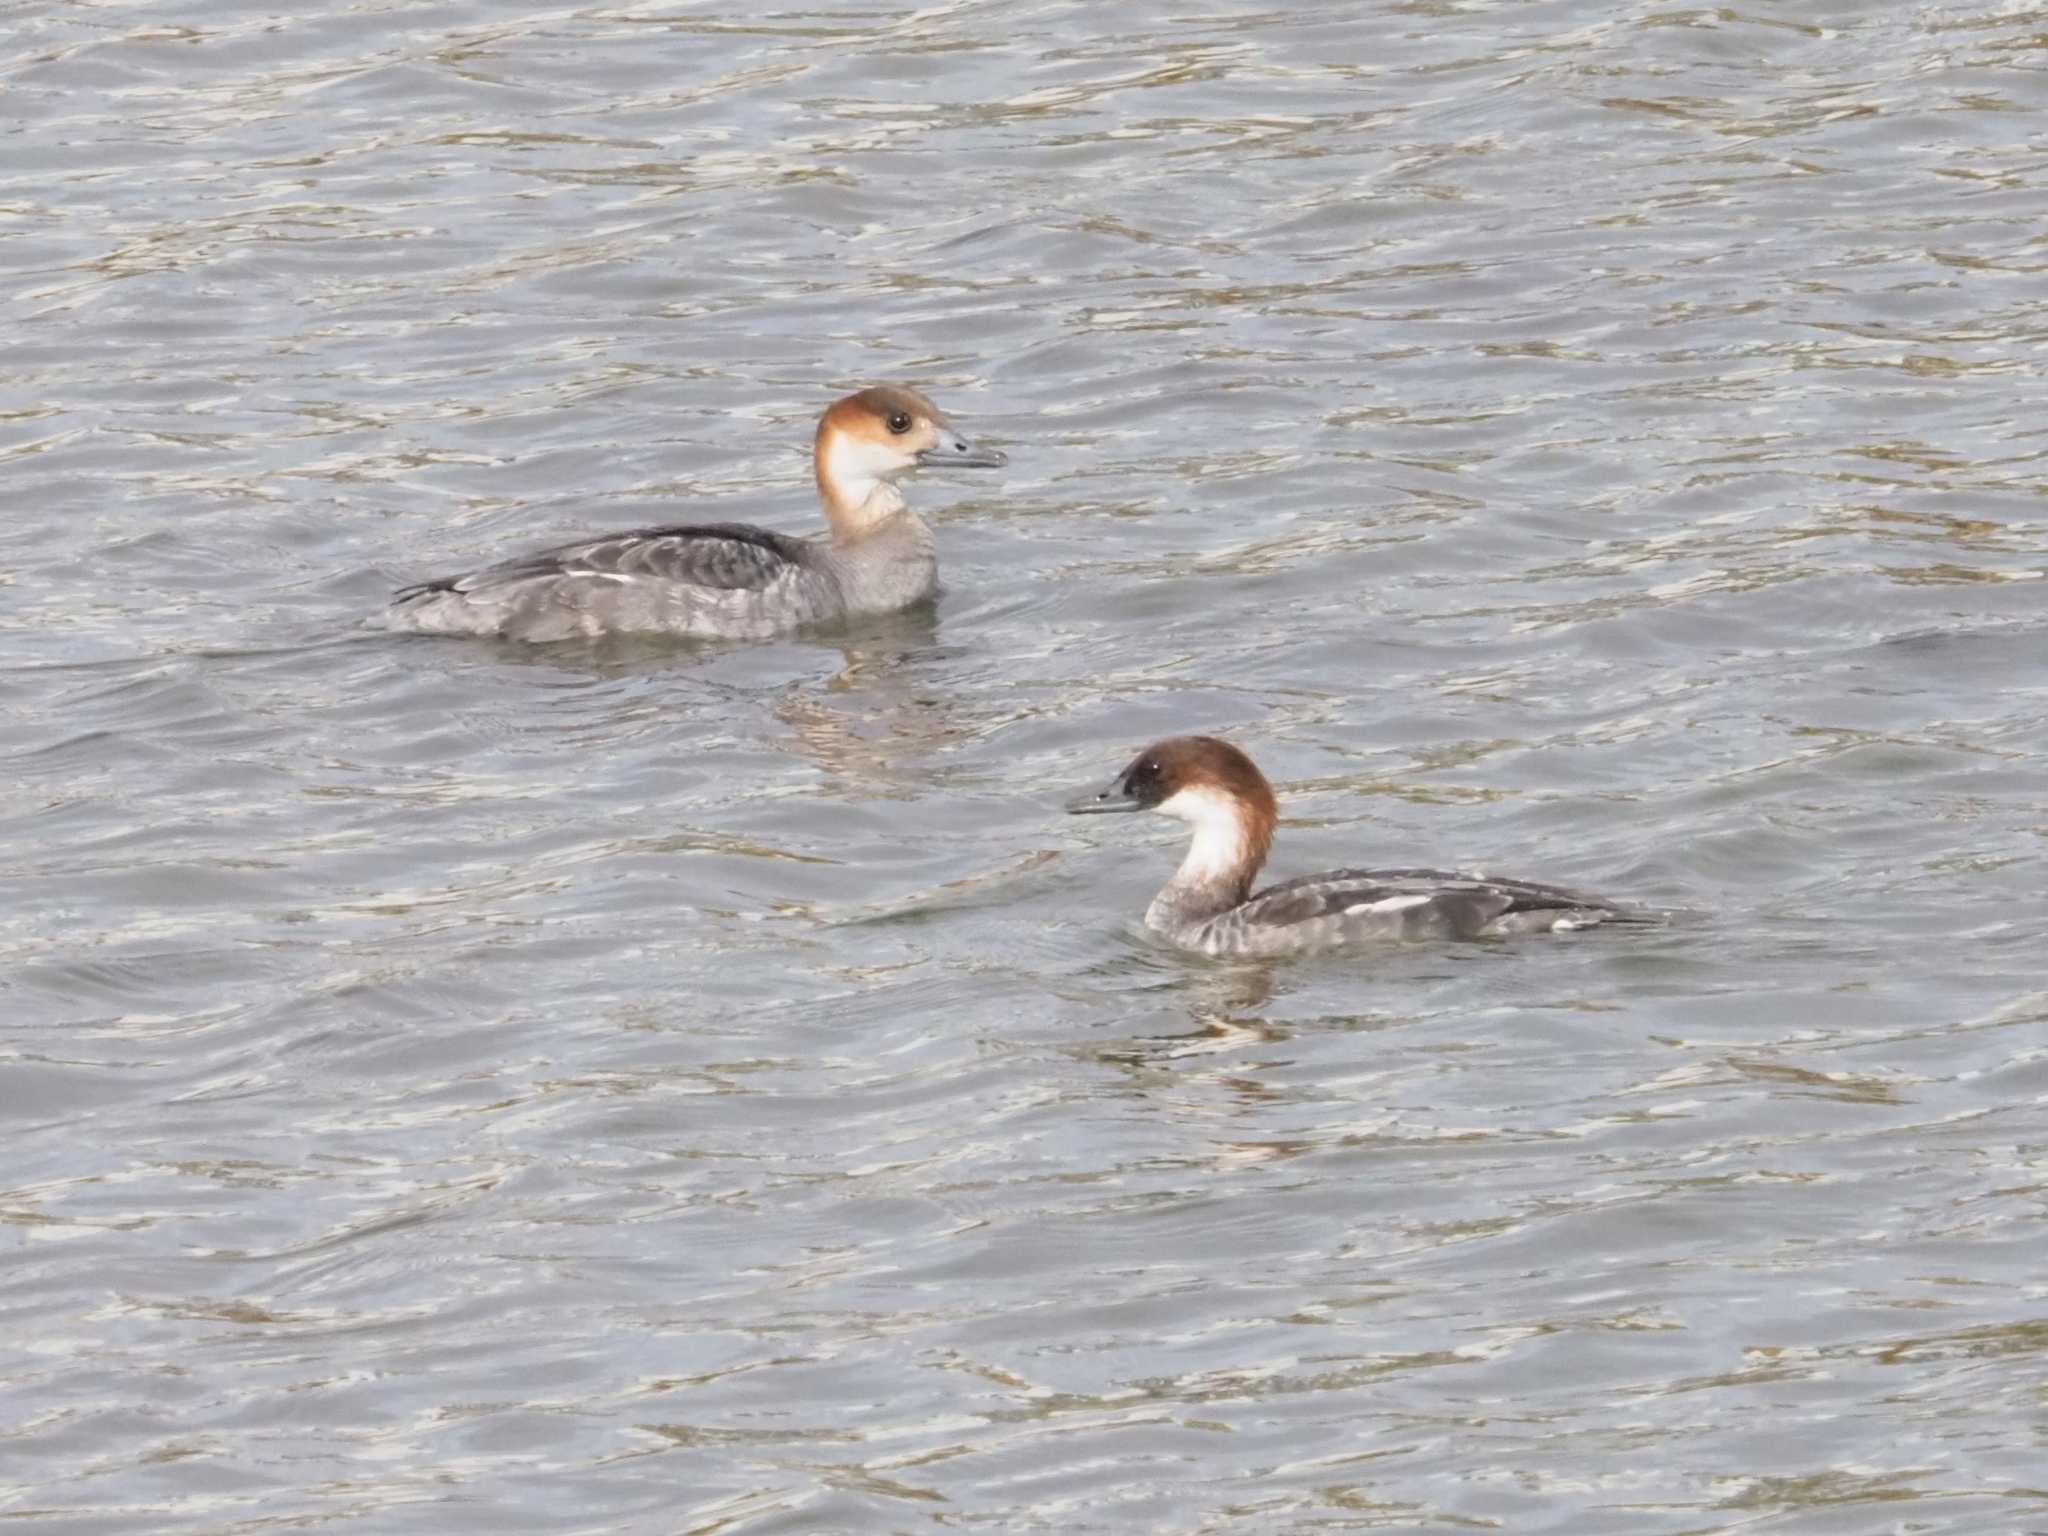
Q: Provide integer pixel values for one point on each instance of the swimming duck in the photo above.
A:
(731, 580)
(1209, 905)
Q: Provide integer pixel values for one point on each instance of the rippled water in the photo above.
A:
(461, 1088)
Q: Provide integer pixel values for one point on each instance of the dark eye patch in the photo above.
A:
(1142, 781)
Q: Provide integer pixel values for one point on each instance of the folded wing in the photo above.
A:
(716, 578)
(1357, 904)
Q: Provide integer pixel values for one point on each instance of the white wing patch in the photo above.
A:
(1389, 904)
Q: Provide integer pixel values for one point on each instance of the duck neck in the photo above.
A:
(860, 509)
(857, 498)
(1229, 845)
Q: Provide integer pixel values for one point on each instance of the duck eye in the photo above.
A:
(899, 422)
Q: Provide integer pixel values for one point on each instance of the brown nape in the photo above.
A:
(1207, 762)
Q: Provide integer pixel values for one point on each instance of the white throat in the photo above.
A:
(1221, 849)
(859, 476)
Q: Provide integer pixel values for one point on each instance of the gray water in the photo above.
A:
(450, 1087)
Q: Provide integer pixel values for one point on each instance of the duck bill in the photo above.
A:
(1100, 802)
(957, 452)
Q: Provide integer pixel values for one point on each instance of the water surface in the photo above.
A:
(636, 1088)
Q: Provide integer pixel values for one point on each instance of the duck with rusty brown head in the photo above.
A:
(731, 580)
(1209, 904)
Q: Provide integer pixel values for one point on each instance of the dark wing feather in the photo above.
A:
(732, 557)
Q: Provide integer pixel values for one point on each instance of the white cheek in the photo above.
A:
(1199, 807)
(849, 460)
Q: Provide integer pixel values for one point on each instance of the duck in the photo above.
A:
(731, 580)
(1209, 905)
